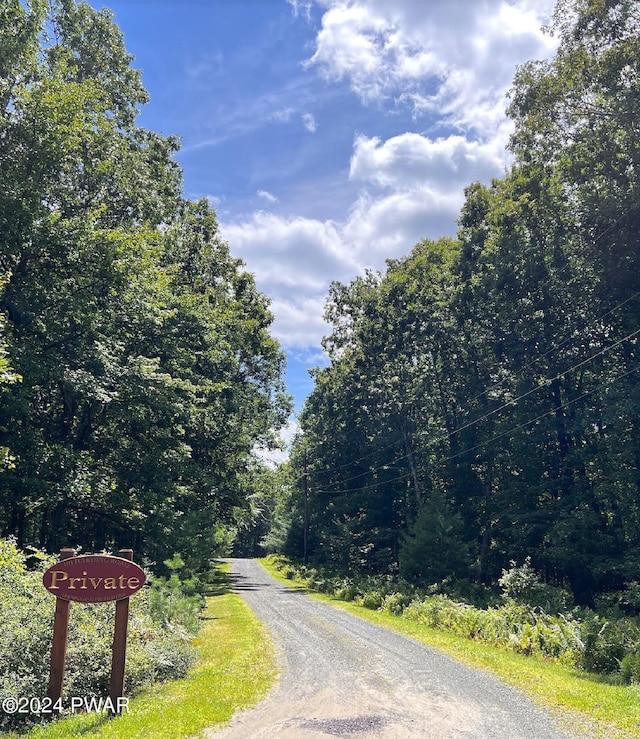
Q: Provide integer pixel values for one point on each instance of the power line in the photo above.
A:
(366, 487)
(491, 388)
(510, 403)
(547, 381)
(493, 438)
(558, 347)
(500, 383)
(542, 415)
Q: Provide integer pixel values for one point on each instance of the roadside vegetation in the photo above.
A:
(480, 402)
(575, 661)
(195, 653)
(163, 621)
(234, 669)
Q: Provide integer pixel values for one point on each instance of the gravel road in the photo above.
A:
(344, 677)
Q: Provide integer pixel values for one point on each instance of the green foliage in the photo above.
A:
(630, 667)
(393, 603)
(159, 647)
(236, 665)
(523, 585)
(606, 642)
(176, 603)
(148, 373)
(578, 638)
(434, 549)
(482, 402)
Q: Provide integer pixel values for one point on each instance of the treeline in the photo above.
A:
(137, 372)
(482, 403)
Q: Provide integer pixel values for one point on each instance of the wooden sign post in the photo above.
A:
(59, 643)
(91, 579)
(119, 650)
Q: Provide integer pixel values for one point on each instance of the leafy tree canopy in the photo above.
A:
(148, 372)
(483, 395)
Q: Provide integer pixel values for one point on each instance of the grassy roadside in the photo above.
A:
(235, 668)
(579, 699)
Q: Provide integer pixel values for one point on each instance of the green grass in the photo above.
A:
(579, 699)
(235, 669)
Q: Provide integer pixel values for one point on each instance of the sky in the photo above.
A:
(330, 135)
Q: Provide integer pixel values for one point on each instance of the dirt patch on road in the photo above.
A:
(362, 713)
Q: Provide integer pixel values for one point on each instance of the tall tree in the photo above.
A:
(497, 376)
(577, 119)
(149, 375)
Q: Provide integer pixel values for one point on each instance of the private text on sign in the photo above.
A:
(94, 578)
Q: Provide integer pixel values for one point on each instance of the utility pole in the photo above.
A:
(306, 506)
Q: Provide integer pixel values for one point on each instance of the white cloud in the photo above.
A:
(452, 56)
(310, 357)
(412, 160)
(299, 321)
(451, 62)
(291, 252)
(266, 195)
(351, 44)
(380, 228)
(282, 115)
(301, 7)
(294, 260)
(309, 122)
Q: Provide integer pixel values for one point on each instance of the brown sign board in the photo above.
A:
(94, 578)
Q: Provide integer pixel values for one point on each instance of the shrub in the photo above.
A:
(523, 585)
(345, 589)
(173, 602)
(371, 599)
(156, 648)
(606, 643)
(518, 627)
(395, 603)
(520, 583)
(630, 667)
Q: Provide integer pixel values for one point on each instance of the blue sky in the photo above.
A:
(330, 135)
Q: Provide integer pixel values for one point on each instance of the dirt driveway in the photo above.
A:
(344, 677)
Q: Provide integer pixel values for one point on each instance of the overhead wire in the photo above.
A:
(541, 416)
(494, 438)
(508, 404)
(500, 383)
(367, 487)
(493, 387)
(561, 345)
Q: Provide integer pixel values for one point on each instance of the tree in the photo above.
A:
(433, 548)
(149, 375)
(577, 117)
(484, 391)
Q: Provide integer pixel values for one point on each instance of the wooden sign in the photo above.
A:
(94, 578)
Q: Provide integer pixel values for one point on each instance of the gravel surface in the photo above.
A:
(344, 677)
